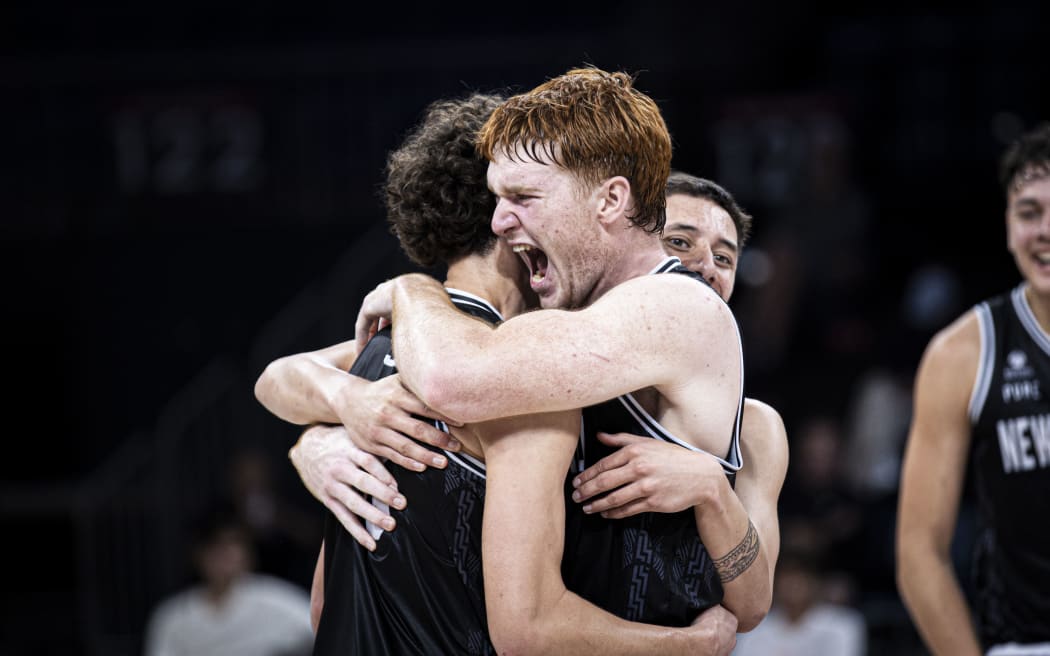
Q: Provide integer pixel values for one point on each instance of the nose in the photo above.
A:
(703, 262)
(1044, 224)
(503, 218)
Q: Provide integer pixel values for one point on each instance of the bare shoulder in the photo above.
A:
(955, 350)
(765, 420)
(674, 297)
(762, 434)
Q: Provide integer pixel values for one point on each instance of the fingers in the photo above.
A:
(353, 526)
(624, 496)
(588, 483)
(361, 507)
(373, 466)
(629, 509)
(425, 432)
(610, 480)
(415, 454)
(364, 482)
(364, 330)
(620, 439)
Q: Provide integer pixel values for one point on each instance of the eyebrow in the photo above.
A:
(686, 227)
(515, 189)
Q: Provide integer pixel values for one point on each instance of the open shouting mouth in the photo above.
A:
(535, 259)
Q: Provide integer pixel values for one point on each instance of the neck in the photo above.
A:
(1040, 305)
(498, 277)
(217, 593)
(634, 253)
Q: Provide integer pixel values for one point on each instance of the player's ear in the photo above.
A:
(614, 199)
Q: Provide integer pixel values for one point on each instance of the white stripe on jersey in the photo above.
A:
(1027, 317)
(655, 429)
(985, 363)
(460, 297)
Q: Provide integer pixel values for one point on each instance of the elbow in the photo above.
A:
(523, 628)
(269, 392)
(750, 617)
(264, 386)
(909, 564)
(524, 637)
(449, 392)
(749, 620)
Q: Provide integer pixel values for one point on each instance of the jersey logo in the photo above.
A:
(388, 361)
(1017, 366)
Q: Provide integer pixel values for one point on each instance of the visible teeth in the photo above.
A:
(1044, 258)
(538, 277)
(521, 248)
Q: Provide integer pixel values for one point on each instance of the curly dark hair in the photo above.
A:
(437, 200)
(1028, 155)
(680, 182)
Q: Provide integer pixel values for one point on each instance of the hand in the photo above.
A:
(714, 631)
(379, 419)
(375, 313)
(645, 475)
(338, 474)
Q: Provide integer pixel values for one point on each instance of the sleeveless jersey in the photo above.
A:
(651, 567)
(1010, 460)
(421, 590)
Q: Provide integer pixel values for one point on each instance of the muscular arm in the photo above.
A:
(630, 339)
(764, 447)
(529, 609)
(315, 387)
(647, 475)
(763, 443)
(931, 485)
(305, 387)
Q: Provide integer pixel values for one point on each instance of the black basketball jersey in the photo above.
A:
(421, 590)
(651, 567)
(1010, 460)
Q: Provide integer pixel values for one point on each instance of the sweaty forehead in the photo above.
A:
(699, 214)
(517, 174)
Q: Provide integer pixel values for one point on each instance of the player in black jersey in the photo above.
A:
(981, 400)
(707, 229)
(586, 224)
(703, 227)
(418, 591)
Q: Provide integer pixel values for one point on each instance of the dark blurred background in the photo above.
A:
(189, 191)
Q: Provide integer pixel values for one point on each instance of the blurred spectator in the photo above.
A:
(285, 536)
(802, 621)
(818, 510)
(232, 611)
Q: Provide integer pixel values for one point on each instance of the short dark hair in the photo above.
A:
(1028, 154)
(690, 185)
(437, 200)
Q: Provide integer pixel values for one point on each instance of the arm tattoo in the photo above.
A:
(736, 562)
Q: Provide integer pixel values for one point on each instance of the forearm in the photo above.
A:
(428, 334)
(570, 625)
(529, 609)
(735, 546)
(932, 594)
(303, 389)
(472, 372)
